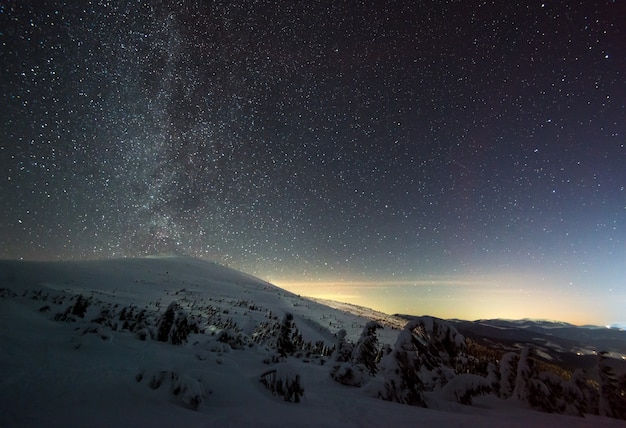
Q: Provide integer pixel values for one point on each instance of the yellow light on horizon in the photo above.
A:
(462, 298)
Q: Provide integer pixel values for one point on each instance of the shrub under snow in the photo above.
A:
(283, 381)
(464, 387)
(188, 392)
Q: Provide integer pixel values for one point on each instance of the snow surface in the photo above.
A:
(76, 372)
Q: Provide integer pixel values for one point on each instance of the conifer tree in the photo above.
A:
(343, 348)
(174, 325)
(580, 394)
(285, 345)
(165, 322)
(343, 370)
(493, 377)
(612, 403)
(508, 371)
(521, 390)
(401, 369)
(366, 349)
(543, 391)
(80, 306)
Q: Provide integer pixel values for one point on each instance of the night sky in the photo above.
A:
(453, 158)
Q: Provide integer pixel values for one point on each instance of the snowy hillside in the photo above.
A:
(175, 341)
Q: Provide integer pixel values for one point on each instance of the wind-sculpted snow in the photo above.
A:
(174, 341)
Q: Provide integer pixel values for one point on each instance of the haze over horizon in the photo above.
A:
(457, 159)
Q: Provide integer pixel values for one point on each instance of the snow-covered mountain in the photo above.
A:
(176, 341)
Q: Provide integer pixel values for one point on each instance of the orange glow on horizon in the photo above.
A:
(468, 299)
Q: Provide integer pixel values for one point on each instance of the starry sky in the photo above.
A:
(454, 158)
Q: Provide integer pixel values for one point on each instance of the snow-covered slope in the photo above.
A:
(78, 348)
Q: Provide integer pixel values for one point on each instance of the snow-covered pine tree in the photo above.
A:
(621, 392)
(174, 325)
(612, 403)
(522, 387)
(508, 372)
(400, 368)
(352, 365)
(441, 343)
(582, 394)
(343, 348)
(285, 345)
(622, 388)
(493, 377)
(543, 391)
(366, 350)
(80, 306)
(440, 349)
(297, 340)
(343, 370)
(165, 322)
(143, 331)
(547, 393)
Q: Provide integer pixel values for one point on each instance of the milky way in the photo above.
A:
(322, 141)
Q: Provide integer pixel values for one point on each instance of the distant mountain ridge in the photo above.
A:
(575, 346)
(525, 322)
(545, 323)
